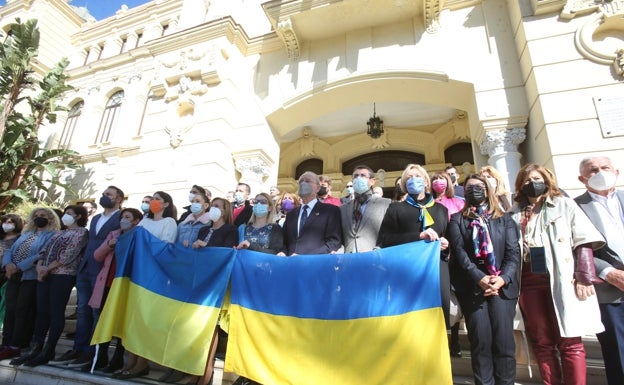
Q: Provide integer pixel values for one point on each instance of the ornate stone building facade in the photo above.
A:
(180, 92)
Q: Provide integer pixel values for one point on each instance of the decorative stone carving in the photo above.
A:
(306, 142)
(287, 34)
(599, 39)
(381, 142)
(135, 76)
(618, 62)
(380, 176)
(502, 140)
(431, 15)
(575, 8)
(180, 121)
(186, 87)
(254, 167)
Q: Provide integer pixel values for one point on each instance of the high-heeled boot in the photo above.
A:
(34, 353)
(46, 354)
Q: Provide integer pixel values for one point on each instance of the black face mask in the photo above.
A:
(453, 179)
(533, 189)
(106, 202)
(41, 222)
(475, 195)
(322, 191)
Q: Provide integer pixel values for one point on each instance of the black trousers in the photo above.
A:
(19, 316)
(489, 321)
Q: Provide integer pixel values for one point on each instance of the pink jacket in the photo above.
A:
(103, 254)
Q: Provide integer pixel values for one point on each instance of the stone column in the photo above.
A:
(501, 146)
(255, 167)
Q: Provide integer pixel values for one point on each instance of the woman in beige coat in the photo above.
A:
(557, 296)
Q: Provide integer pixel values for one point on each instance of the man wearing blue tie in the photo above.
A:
(314, 227)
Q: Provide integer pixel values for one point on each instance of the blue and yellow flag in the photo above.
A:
(368, 318)
(165, 300)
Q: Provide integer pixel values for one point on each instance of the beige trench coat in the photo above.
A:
(563, 227)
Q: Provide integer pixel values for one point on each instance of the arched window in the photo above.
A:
(109, 118)
(388, 160)
(70, 125)
(459, 153)
(314, 165)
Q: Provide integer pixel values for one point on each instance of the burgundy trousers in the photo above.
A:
(560, 360)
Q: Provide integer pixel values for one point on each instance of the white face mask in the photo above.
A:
(8, 227)
(214, 214)
(191, 196)
(602, 181)
(68, 220)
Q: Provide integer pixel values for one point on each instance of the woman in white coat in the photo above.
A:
(557, 296)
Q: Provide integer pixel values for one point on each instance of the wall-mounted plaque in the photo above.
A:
(610, 112)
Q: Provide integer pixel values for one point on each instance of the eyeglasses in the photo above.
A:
(473, 186)
(261, 201)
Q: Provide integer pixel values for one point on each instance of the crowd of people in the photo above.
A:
(559, 260)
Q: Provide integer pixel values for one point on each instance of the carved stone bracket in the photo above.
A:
(254, 166)
(431, 15)
(286, 32)
(502, 140)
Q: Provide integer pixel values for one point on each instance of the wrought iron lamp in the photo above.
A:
(375, 126)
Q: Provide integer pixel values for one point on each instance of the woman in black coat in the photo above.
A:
(484, 271)
(418, 218)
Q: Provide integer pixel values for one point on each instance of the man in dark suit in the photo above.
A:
(362, 216)
(100, 226)
(452, 173)
(604, 205)
(313, 227)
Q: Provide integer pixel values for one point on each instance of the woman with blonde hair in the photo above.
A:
(497, 184)
(19, 263)
(418, 218)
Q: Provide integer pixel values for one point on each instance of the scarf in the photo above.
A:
(425, 218)
(484, 251)
(358, 201)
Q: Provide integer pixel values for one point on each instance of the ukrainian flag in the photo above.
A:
(165, 300)
(368, 318)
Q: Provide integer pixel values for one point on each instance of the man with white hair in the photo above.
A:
(604, 205)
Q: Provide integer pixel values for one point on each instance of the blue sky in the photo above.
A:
(101, 9)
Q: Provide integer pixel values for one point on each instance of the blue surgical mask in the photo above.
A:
(145, 207)
(415, 185)
(360, 185)
(349, 190)
(196, 208)
(239, 197)
(260, 210)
